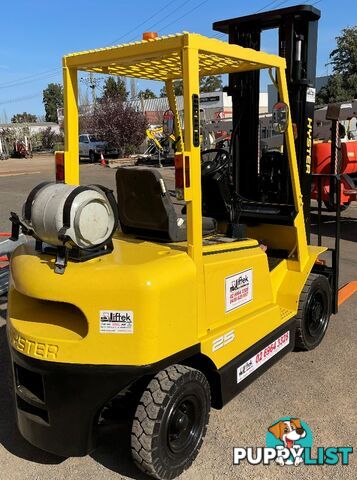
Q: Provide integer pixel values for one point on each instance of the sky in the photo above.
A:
(35, 34)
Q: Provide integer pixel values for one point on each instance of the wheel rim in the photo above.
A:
(183, 429)
(317, 314)
(184, 426)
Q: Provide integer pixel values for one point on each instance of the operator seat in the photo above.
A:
(145, 208)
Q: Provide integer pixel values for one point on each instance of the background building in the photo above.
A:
(213, 105)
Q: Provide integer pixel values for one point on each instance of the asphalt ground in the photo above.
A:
(319, 387)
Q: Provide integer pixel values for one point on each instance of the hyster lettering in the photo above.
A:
(308, 145)
(29, 347)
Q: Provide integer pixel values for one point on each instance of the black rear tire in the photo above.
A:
(313, 313)
(170, 422)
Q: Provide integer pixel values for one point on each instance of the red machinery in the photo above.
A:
(22, 149)
(347, 167)
(335, 157)
(7, 246)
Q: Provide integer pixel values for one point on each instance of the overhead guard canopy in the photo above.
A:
(161, 58)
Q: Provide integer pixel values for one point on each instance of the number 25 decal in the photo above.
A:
(223, 341)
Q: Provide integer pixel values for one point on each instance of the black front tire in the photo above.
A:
(92, 157)
(170, 422)
(313, 313)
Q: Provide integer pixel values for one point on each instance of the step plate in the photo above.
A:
(286, 314)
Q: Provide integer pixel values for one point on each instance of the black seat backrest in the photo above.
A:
(144, 206)
(216, 196)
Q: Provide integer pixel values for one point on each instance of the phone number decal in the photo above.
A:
(243, 371)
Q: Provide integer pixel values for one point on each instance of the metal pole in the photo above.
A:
(319, 200)
(92, 87)
(71, 159)
(337, 239)
(333, 162)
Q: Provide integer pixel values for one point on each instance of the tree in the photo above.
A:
(344, 57)
(115, 88)
(3, 117)
(212, 83)
(48, 138)
(83, 99)
(24, 118)
(8, 134)
(178, 88)
(18, 131)
(146, 94)
(52, 100)
(118, 124)
(342, 84)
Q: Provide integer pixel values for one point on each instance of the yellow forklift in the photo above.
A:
(179, 310)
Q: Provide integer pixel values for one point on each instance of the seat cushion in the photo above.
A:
(209, 227)
(146, 210)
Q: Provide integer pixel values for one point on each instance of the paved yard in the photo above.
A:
(319, 387)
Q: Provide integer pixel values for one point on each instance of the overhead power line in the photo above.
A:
(30, 78)
(21, 99)
(270, 4)
(142, 23)
(24, 82)
(221, 34)
(167, 16)
(282, 3)
(49, 73)
(184, 15)
(53, 72)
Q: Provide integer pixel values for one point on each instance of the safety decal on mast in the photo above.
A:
(310, 95)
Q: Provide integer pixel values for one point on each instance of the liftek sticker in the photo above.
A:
(238, 289)
(263, 356)
(116, 321)
(310, 95)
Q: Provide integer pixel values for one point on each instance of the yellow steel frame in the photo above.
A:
(187, 56)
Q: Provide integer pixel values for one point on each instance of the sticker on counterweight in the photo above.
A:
(116, 321)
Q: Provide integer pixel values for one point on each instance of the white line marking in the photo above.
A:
(17, 174)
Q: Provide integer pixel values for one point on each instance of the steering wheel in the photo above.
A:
(216, 160)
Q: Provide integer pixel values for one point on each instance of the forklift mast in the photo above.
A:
(297, 28)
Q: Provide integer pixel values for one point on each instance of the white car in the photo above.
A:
(90, 147)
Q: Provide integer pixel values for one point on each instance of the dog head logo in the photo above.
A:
(289, 442)
(288, 431)
(289, 435)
